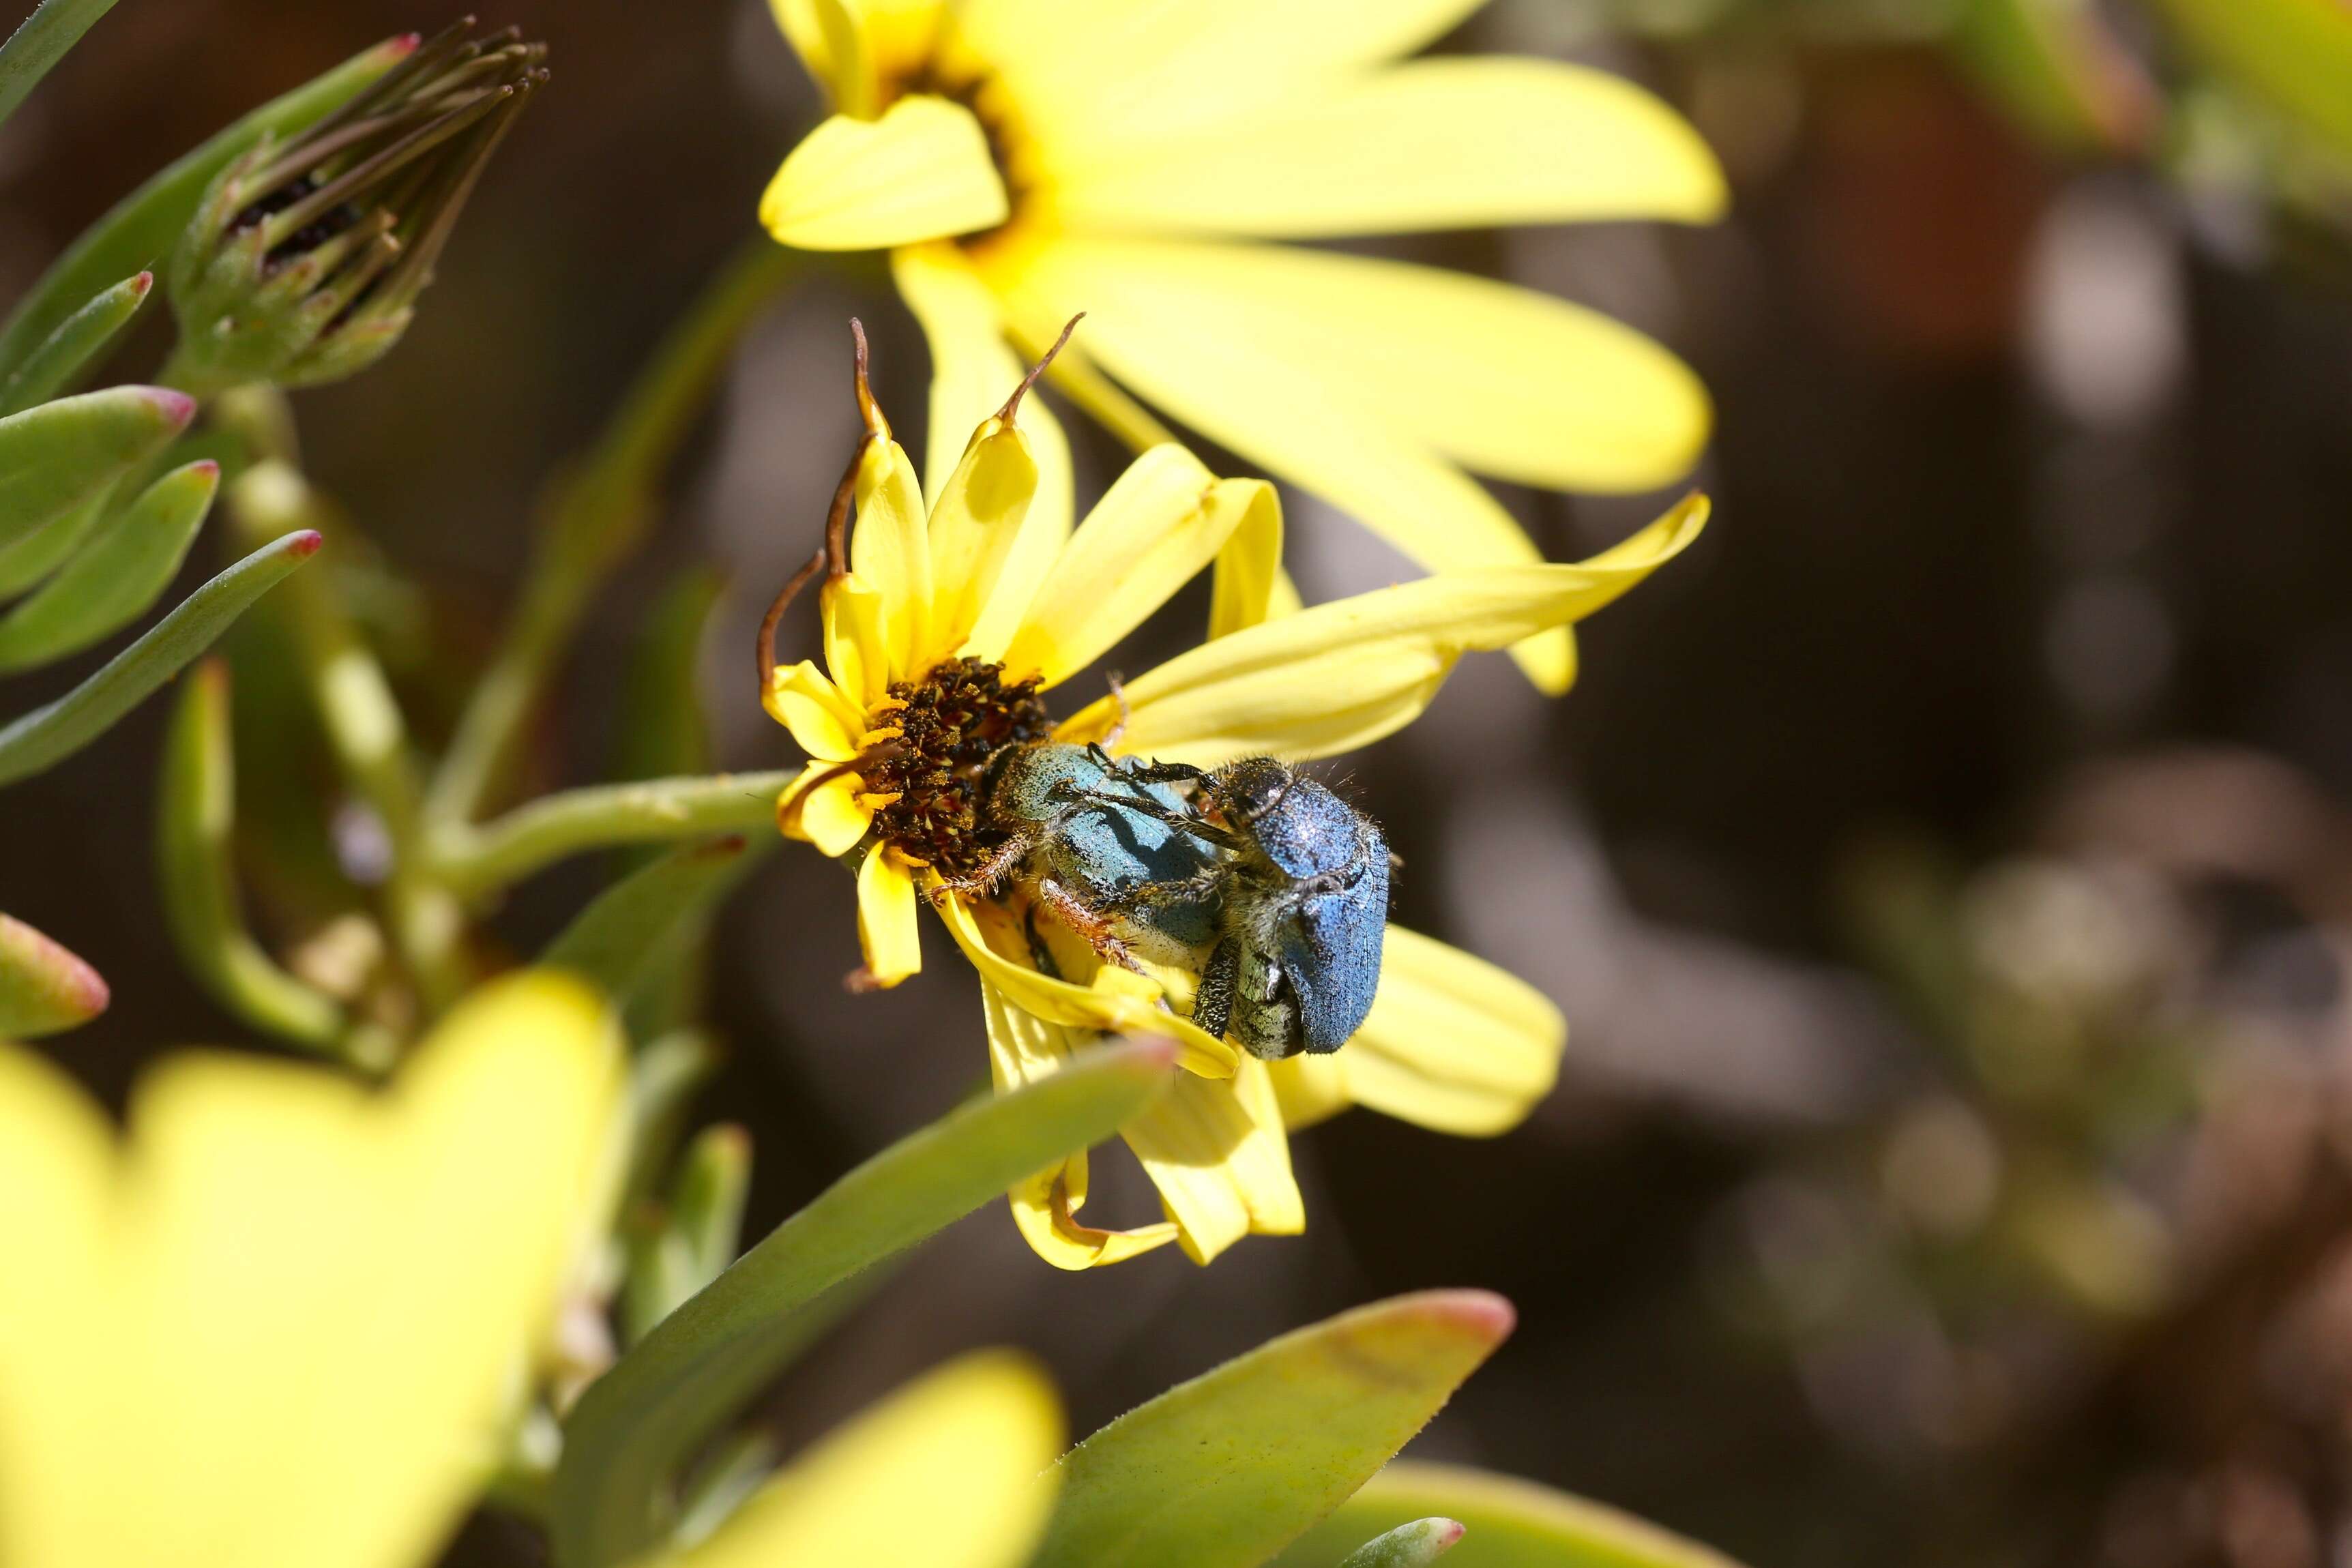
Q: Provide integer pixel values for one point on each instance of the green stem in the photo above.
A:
(473, 861)
(196, 819)
(53, 27)
(593, 517)
(366, 730)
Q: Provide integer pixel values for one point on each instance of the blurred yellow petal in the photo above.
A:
(856, 644)
(1216, 1151)
(1156, 528)
(1088, 75)
(851, 46)
(1453, 1043)
(1445, 143)
(1119, 1002)
(972, 372)
(1309, 1089)
(1250, 585)
(824, 722)
(889, 924)
(1023, 1048)
(890, 548)
(1340, 676)
(1500, 379)
(921, 172)
(945, 1473)
(830, 815)
(294, 1333)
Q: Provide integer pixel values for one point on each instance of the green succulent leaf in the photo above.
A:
(40, 42)
(48, 734)
(80, 339)
(1512, 1523)
(122, 572)
(30, 559)
(638, 1425)
(58, 457)
(1414, 1545)
(629, 936)
(145, 225)
(694, 1239)
(1225, 1470)
(2294, 57)
(195, 818)
(44, 987)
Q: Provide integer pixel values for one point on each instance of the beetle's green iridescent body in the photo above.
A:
(1268, 885)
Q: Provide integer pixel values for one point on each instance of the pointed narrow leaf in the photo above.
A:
(44, 987)
(637, 1426)
(1512, 1523)
(41, 41)
(623, 939)
(1414, 1545)
(54, 457)
(147, 224)
(78, 339)
(1225, 1470)
(48, 734)
(111, 584)
(33, 557)
(195, 814)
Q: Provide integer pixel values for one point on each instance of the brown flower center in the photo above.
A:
(950, 722)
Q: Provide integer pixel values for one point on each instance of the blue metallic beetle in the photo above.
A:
(1274, 888)
(1113, 857)
(1303, 903)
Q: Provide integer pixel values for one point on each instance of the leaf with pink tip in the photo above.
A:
(1225, 1470)
(44, 987)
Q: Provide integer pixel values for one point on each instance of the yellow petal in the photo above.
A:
(921, 172)
(1447, 143)
(1500, 379)
(1340, 676)
(1022, 1048)
(852, 46)
(1088, 75)
(1118, 1002)
(945, 1473)
(972, 372)
(1250, 584)
(1453, 1043)
(857, 642)
(293, 1333)
(890, 551)
(823, 721)
(889, 927)
(1216, 1151)
(829, 816)
(1154, 530)
(1309, 1089)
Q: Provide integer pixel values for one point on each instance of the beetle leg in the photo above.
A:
(1182, 821)
(1213, 999)
(1087, 922)
(1165, 772)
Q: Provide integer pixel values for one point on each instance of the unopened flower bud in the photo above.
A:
(304, 262)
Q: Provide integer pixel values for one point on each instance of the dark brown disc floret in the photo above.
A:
(952, 720)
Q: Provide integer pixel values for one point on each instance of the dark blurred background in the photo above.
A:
(1944, 868)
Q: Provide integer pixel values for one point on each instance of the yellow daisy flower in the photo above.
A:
(945, 623)
(1027, 159)
(286, 1323)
